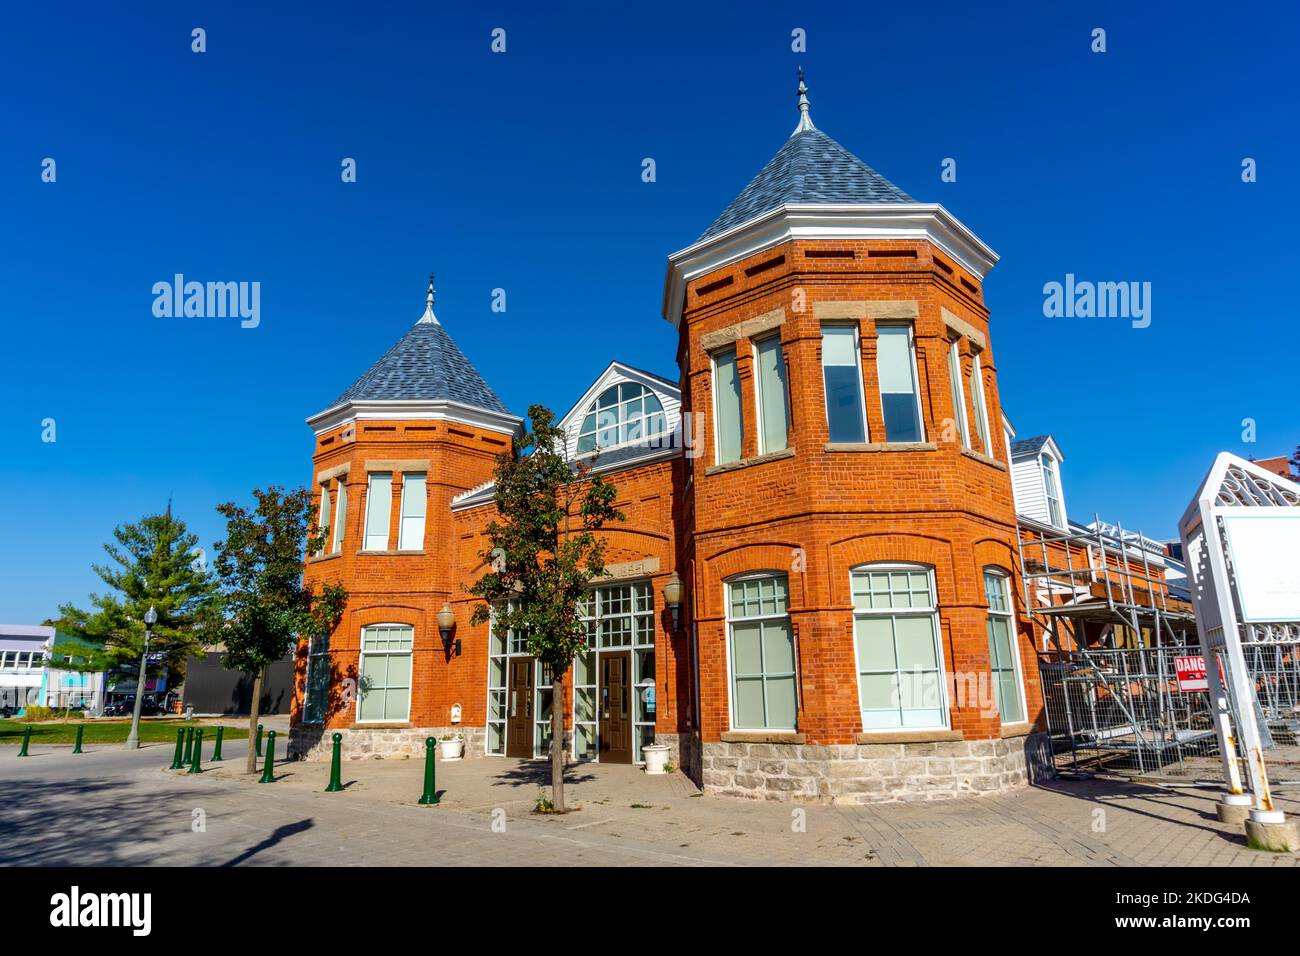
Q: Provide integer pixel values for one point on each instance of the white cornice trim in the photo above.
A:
(416, 410)
(925, 221)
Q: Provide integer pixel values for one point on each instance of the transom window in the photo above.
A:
(1004, 658)
(762, 654)
(896, 636)
(385, 673)
(623, 413)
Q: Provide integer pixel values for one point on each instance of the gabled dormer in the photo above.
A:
(626, 408)
(1036, 480)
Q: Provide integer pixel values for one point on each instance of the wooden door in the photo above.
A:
(519, 708)
(616, 707)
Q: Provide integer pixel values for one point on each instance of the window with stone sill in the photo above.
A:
(728, 413)
(896, 640)
(761, 654)
(379, 506)
(385, 685)
(340, 515)
(981, 406)
(1004, 653)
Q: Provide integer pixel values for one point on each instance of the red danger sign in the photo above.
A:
(1191, 673)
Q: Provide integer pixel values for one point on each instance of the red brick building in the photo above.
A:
(828, 479)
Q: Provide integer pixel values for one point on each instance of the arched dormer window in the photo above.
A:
(622, 414)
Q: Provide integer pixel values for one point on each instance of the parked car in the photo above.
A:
(126, 707)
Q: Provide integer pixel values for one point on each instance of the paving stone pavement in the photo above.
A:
(113, 807)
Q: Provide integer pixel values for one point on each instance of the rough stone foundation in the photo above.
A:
(871, 773)
(360, 743)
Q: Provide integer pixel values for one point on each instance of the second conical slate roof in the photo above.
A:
(424, 365)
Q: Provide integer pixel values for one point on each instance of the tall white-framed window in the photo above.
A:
(410, 535)
(385, 692)
(1004, 651)
(323, 518)
(623, 413)
(760, 653)
(318, 680)
(618, 617)
(958, 393)
(340, 514)
(900, 398)
(846, 412)
(981, 406)
(896, 640)
(379, 506)
(770, 394)
(728, 415)
(1052, 490)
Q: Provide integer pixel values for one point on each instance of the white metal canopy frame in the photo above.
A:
(1241, 538)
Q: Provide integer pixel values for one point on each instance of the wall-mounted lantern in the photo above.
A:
(673, 598)
(446, 627)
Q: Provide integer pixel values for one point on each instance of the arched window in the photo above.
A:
(622, 414)
(896, 638)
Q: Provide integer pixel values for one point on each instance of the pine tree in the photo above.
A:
(155, 565)
(544, 554)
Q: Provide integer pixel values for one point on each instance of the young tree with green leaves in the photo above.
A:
(544, 554)
(266, 606)
(156, 564)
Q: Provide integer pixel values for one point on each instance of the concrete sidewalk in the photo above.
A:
(1093, 823)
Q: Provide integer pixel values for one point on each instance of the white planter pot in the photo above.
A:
(656, 758)
(451, 749)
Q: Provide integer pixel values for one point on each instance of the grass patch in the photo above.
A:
(111, 732)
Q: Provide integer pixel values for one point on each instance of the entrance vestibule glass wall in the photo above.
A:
(620, 617)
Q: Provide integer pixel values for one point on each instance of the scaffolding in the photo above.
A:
(1110, 634)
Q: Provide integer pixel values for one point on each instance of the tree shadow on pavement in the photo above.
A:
(537, 773)
(280, 833)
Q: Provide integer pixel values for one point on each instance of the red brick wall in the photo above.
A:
(819, 513)
(402, 587)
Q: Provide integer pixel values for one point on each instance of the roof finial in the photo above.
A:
(428, 305)
(805, 119)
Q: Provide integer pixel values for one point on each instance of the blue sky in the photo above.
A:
(521, 171)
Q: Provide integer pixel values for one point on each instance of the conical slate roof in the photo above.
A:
(810, 168)
(424, 365)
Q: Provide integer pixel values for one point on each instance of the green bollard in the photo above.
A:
(268, 771)
(336, 766)
(180, 749)
(189, 745)
(430, 796)
(259, 740)
(216, 748)
(198, 751)
(27, 738)
(81, 729)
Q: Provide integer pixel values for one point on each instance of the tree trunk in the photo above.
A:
(250, 762)
(557, 741)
